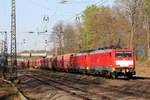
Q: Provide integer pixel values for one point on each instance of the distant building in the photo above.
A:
(38, 54)
(35, 54)
(24, 54)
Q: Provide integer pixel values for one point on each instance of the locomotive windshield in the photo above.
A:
(123, 54)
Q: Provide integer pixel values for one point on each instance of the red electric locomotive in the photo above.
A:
(123, 62)
(109, 62)
(80, 62)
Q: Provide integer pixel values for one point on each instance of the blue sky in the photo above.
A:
(30, 14)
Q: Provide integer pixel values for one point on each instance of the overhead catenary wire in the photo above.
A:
(79, 14)
(72, 18)
(40, 5)
(48, 9)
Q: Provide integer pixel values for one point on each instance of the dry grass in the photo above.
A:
(143, 68)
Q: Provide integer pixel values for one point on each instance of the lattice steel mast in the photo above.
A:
(5, 43)
(13, 33)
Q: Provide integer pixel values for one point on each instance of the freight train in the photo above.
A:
(107, 62)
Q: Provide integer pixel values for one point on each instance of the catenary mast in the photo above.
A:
(13, 54)
(13, 33)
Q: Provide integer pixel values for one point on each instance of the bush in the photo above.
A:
(140, 57)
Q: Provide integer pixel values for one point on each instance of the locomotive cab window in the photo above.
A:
(123, 54)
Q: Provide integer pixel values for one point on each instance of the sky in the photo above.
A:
(29, 18)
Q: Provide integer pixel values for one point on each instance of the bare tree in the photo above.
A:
(58, 35)
(69, 38)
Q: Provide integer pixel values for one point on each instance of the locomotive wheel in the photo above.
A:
(87, 73)
(114, 76)
(130, 76)
(84, 72)
(109, 75)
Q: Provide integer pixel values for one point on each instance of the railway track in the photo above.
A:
(79, 86)
(20, 94)
(69, 81)
(75, 91)
(113, 88)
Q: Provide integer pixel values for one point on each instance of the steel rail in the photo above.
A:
(84, 94)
